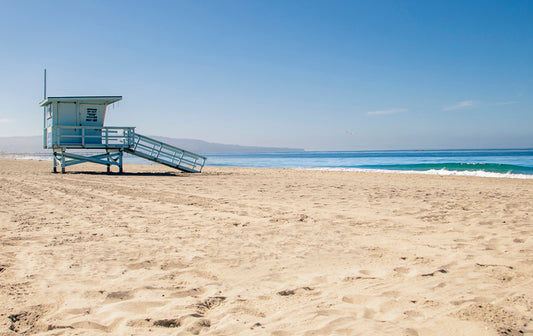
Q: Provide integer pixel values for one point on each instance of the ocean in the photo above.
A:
(507, 163)
(513, 163)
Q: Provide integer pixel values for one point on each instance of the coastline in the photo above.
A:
(266, 251)
(439, 172)
(442, 169)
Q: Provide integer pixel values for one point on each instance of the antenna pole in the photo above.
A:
(44, 83)
(45, 133)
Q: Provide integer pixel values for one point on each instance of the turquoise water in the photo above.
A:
(486, 162)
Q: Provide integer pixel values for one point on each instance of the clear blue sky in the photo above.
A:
(320, 75)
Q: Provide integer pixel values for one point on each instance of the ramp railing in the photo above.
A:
(160, 152)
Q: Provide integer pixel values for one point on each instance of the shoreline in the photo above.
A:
(439, 172)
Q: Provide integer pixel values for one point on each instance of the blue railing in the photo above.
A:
(88, 137)
(157, 151)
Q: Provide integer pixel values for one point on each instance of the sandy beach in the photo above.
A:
(262, 252)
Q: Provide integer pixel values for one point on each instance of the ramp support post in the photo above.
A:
(63, 152)
(54, 160)
(108, 164)
(121, 153)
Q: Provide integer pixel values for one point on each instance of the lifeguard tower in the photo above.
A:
(76, 123)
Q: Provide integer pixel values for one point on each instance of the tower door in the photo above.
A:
(66, 114)
(67, 118)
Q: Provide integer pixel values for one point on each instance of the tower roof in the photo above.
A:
(82, 100)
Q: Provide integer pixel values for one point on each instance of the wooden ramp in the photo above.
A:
(160, 152)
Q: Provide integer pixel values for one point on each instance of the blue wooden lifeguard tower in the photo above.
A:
(76, 123)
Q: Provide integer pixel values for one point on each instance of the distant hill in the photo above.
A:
(203, 147)
(34, 144)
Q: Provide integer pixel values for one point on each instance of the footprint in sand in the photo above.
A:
(27, 322)
(119, 296)
(148, 322)
(205, 306)
(78, 311)
(300, 290)
(188, 292)
(198, 326)
(369, 313)
(357, 299)
(167, 323)
(505, 321)
(140, 265)
(401, 270)
(91, 325)
(171, 265)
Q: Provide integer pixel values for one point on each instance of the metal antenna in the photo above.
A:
(44, 83)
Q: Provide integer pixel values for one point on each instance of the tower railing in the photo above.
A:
(89, 137)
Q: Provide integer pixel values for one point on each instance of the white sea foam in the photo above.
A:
(442, 172)
(39, 157)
